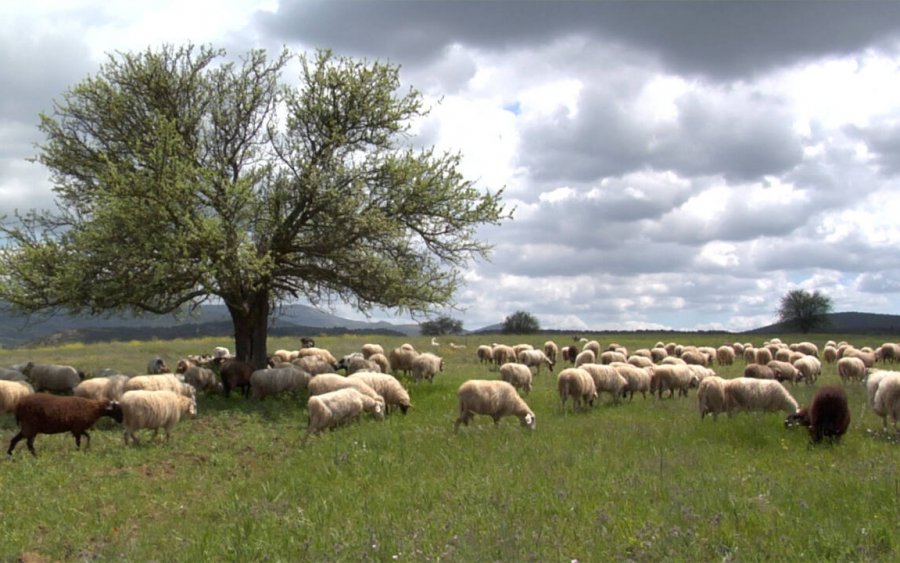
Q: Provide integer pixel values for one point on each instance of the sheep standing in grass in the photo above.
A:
(202, 379)
(585, 357)
(551, 350)
(52, 377)
(851, 369)
(313, 365)
(42, 413)
(328, 382)
(673, 377)
(578, 384)
(711, 397)
(809, 368)
(887, 399)
(501, 354)
(235, 374)
(426, 366)
(273, 381)
(161, 382)
(535, 358)
(725, 355)
(319, 352)
(827, 416)
(369, 349)
(484, 353)
(759, 371)
(330, 410)
(637, 379)
(154, 410)
(872, 381)
(390, 389)
(784, 371)
(110, 387)
(401, 360)
(11, 392)
(749, 394)
(517, 375)
(607, 379)
(495, 399)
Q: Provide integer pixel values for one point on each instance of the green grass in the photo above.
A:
(642, 481)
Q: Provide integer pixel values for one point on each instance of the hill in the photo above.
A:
(845, 323)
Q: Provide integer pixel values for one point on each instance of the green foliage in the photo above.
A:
(222, 180)
(441, 325)
(646, 480)
(521, 322)
(804, 311)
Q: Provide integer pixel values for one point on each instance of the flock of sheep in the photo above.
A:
(48, 399)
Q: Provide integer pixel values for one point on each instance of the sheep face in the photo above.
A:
(528, 421)
(114, 411)
(799, 418)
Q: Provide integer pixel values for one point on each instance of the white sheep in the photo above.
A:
(273, 381)
(313, 364)
(320, 352)
(495, 399)
(872, 381)
(328, 382)
(725, 355)
(370, 349)
(578, 384)
(52, 377)
(535, 358)
(401, 359)
(386, 385)
(611, 356)
(637, 378)
(851, 368)
(426, 366)
(221, 352)
(202, 379)
(330, 410)
(11, 392)
(711, 396)
(749, 394)
(484, 353)
(809, 367)
(384, 366)
(551, 350)
(887, 399)
(585, 357)
(161, 382)
(673, 377)
(154, 410)
(607, 379)
(501, 354)
(110, 387)
(785, 371)
(518, 375)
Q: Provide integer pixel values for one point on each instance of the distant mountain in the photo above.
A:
(845, 323)
(209, 320)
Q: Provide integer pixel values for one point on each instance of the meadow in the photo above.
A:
(646, 480)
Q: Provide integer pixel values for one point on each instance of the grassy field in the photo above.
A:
(643, 481)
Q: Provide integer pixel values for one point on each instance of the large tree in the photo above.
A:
(181, 176)
(804, 311)
(521, 322)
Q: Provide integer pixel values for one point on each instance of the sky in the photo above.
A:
(671, 165)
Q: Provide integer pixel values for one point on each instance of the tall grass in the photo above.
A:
(646, 480)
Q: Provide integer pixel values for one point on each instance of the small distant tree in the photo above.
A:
(804, 311)
(441, 325)
(521, 322)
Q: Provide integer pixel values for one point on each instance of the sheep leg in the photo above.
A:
(17, 437)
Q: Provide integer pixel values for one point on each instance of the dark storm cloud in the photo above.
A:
(721, 39)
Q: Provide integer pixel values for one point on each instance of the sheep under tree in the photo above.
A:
(224, 182)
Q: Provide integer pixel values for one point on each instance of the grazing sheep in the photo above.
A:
(426, 366)
(390, 389)
(384, 366)
(593, 346)
(608, 379)
(569, 353)
(828, 415)
(517, 375)
(611, 356)
(889, 352)
(235, 374)
(672, 361)
(759, 371)
(640, 361)
(762, 356)
(273, 381)
(749, 394)
(887, 399)
(700, 371)
(369, 349)
(495, 399)
(551, 350)
(851, 368)
(401, 360)
(110, 387)
(829, 353)
(578, 384)
(867, 357)
(355, 362)
(637, 379)
(320, 352)
(725, 355)
(711, 396)
(42, 413)
(157, 365)
(154, 410)
(11, 392)
(657, 353)
(807, 348)
(330, 410)
(313, 365)
(328, 382)
(535, 358)
(872, 381)
(501, 354)
(694, 356)
(673, 377)
(202, 379)
(161, 382)
(784, 371)
(809, 367)
(484, 353)
(585, 357)
(52, 377)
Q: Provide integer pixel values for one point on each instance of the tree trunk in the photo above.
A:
(251, 329)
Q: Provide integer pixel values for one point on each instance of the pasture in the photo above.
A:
(646, 480)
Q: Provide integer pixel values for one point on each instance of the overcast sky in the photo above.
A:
(673, 165)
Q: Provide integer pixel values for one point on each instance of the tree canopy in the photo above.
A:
(804, 311)
(181, 176)
(521, 322)
(441, 325)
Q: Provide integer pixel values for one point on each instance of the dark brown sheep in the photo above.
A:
(827, 416)
(42, 413)
(235, 374)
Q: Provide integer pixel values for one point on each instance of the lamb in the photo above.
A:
(607, 379)
(518, 375)
(110, 387)
(809, 367)
(673, 377)
(578, 384)
(161, 382)
(52, 377)
(369, 350)
(585, 357)
(535, 358)
(401, 360)
(636, 378)
(426, 366)
(711, 397)
(887, 399)
(828, 415)
(784, 371)
(747, 393)
(11, 392)
(154, 410)
(327, 382)
(851, 368)
(551, 350)
(157, 365)
(42, 413)
(329, 410)
(390, 389)
(272, 381)
(496, 399)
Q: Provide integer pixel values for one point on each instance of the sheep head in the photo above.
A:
(113, 410)
(799, 418)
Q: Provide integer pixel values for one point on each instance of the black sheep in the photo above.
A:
(42, 413)
(827, 416)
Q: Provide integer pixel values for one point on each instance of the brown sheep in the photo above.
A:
(42, 413)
